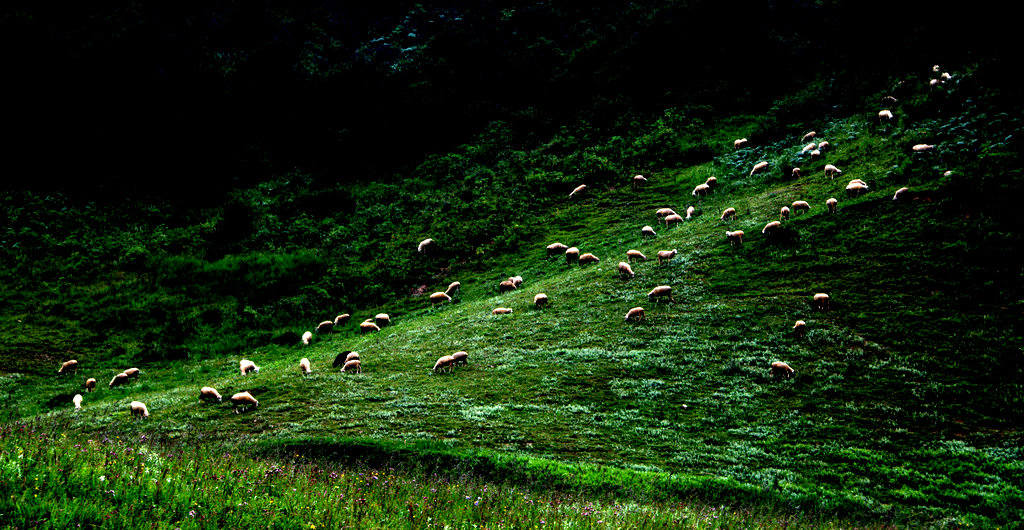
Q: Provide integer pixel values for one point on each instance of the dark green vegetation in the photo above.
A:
(905, 407)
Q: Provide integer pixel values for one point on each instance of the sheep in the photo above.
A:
(461, 357)
(354, 365)
(77, 400)
(739, 143)
(772, 229)
(808, 148)
(445, 361)
(344, 357)
(501, 311)
(900, 193)
(801, 206)
(712, 182)
(438, 297)
(858, 181)
(68, 366)
(636, 314)
(936, 68)
(241, 399)
(784, 213)
(245, 366)
(701, 190)
(933, 82)
(662, 212)
(690, 210)
(452, 288)
(815, 154)
(324, 327)
(588, 258)
(948, 174)
(728, 213)
(823, 146)
(888, 100)
(307, 337)
(304, 366)
(555, 249)
(666, 255)
(832, 171)
(735, 238)
(800, 328)
(758, 167)
(781, 369)
(660, 292)
(572, 255)
(516, 280)
(885, 114)
(821, 301)
(506, 286)
(118, 380)
(647, 231)
(625, 271)
(90, 384)
(138, 409)
(425, 245)
(796, 172)
(922, 147)
(382, 319)
(945, 77)
(208, 393)
(639, 181)
(854, 189)
(352, 356)
(341, 319)
(674, 218)
(635, 255)
(132, 372)
(579, 189)
(808, 136)
(540, 300)
(831, 204)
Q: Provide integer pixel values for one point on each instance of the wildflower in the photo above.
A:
(103, 477)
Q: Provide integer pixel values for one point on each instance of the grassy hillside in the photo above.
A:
(906, 402)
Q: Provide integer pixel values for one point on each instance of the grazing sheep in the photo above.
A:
(831, 204)
(132, 372)
(588, 258)
(516, 280)
(900, 193)
(808, 136)
(801, 206)
(368, 326)
(815, 154)
(343, 357)
(208, 393)
(947, 174)
(341, 319)
(635, 255)
(352, 356)
(823, 146)
(77, 400)
(885, 114)
(808, 148)
(501, 311)
(666, 255)
(452, 288)
(382, 319)
(68, 366)
(933, 82)
(758, 167)
(923, 147)
(735, 238)
(728, 213)
(119, 380)
(572, 255)
(555, 249)
(639, 181)
(739, 143)
(445, 361)
(90, 384)
(690, 210)
(636, 314)
(307, 337)
(625, 271)
(781, 369)
(674, 218)
(772, 229)
(712, 182)
(138, 409)
(439, 297)
(659, 292)
(241, 400)
(304, 366)
(800, 328)
(325, 327)
(425, 245)
(354, 365)
(461, 357)
(701, 190)
(945, 77)
(784, 213)
(540, 300)
(646, 231)
(854, 189)
(579, 189)
(796, 172)
(821, 301)
(832, 171)
(888, 100)
(936, 68)
(662, 212)
(245, 366)
(506, 286)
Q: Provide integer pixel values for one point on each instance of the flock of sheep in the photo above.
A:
(350, 361)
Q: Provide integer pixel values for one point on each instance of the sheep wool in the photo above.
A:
(625, 271)
(728, 213)
(132, 372)
(666, 255)
(578, 190)
(572, 255)
(245, 366)
(648, 231)
(781, 369)
(501, 311)
(382, 319)
(118, 380)
(304, 366)
(635, 255)
(690, 210)
(784, 213)
(662, 212)
(209, 393)
(243, 399)
(438, 297)
(77, 400)
(662, 291)
(674, 218)
(739, 143)
(758, 167)
(444, 362)
(900, 194)
(355, 365)
(831, 204)
(555, 249)
(325, 327)
(138, 409)
(635, 315)
(734, 238)
(90, 384)
(424, 245)
(540, 300)
(68, 366)
(452, 288)
(307, 337)
(461, 357)
(701, 190)
(341, 319)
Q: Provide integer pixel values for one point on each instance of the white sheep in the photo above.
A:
(734, 238)
(936, 68)
(572, 255)
(832, 171)
(800, 328)
(341, 319)
(815, 154)
(636, 314)
(635, 255)
(796, 172)
(674, 218)
(506, 286)
(808, 136)
(325, 327)
(516, 280)
(888, 100)
(344, 357)
(132, 372)
(856, 188)
(461, 357)
(90, 384)
(647, 231)
(245, 366)
(77, 400)
(208, 393)
(119, 380)
(355, 365)
(307, 337)
(304, 366)
(68, 366)
(701, 190)
(772, 229)
(555, 249)
(443, 362)
(452, 288)
(781, 369)
(923, 147)
(382, 319)
(831, 204)
(425, 245)
(666, 255)
(784, 213)
(639, 181)
(808, 148)
(739, 143)
(712, 182)
(933, 82)
(662, 212)
(945, 77)
(625, 271)
(728, 213)
(758, 167)
(579, 189)
(900, 193)
(501, 311)
(661, 291)
(439, 297)
(138, 409)
(241, 400)
(801, 206)
(821, 301)
(690, 210)
(540, 300)
(588, 258)
(824, 145)
(885, 114)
